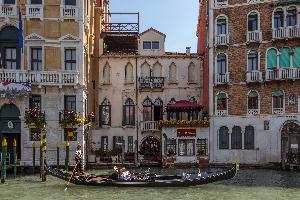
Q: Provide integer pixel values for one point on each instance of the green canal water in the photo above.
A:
(248, 184)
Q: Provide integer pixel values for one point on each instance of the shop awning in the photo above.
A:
(183, 105)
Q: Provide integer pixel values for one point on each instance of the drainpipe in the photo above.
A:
(137, 109)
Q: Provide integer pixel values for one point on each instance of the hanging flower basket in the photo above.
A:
(200, 123)
(72, 119)
(34, 117)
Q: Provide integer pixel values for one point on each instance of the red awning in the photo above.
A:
(183, 105)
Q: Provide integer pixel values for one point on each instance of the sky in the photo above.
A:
(175, 18)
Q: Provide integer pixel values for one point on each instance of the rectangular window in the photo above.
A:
(130, 144)
(9, 1)
(10, 58)
(70, 103)
(70, 134)
(202, 147)
(35, 101)
(171, 146)
(36, 59)
(35, 134)
(221, 26)
(70, 2)
(186, 147)
(155, 45)
(104, 143)
(70, 59)
(36, 2)
(146, 45)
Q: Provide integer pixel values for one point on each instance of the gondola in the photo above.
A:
(146, 180)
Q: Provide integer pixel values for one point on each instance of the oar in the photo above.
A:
(71, 177)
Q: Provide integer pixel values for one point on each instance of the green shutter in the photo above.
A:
(272, 58)
(284, 59)
(278, 93)
(297, 57)
(252, 94)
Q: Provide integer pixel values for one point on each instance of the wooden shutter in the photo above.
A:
(284, 59)
(272, 58)
(297, 57)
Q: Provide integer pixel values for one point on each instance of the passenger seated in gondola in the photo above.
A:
(125, 174)
(116, 174)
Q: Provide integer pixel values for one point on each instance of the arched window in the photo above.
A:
(106, 74)
(158, 109)
(236, 138)
(291, 16)
(272, 58)
(191, 73)
(284, 58)
(129, 112)
(223, 138)
(296, 57)
(249, 137)
(253, 102)
(105, 113)
(129, 73)
(222, 101)
(252, 61)
(157, 68)
(147, 110)
(278, 102)
(221, 25)
(145, 70)
(278, 20)
(221, 63)
(172, 115)
(253, 21)
(172, 73)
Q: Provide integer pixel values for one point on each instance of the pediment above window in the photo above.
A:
(34, 37)
(69, 38)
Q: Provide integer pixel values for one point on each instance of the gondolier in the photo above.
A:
(78, 159)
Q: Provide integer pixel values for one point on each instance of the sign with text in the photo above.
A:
(187, 132)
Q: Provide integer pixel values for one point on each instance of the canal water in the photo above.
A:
(248, 184)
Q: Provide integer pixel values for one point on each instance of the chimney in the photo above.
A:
(188, 51)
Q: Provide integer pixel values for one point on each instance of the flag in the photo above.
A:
(20, 32)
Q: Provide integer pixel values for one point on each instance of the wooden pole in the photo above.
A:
(33, 158)
(44, 144)
(57, 156)
(67, 156)
(4, 160)
(41, 157)
(15, 157)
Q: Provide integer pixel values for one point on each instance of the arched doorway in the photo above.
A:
(10, 127)
(151, 149)
(290, 143)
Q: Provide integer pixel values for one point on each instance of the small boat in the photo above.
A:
(146, 180)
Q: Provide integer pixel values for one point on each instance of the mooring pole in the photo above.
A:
(33, 158)
(15, 157)
(41, 157)
(4, 160)
(67, 155)
(57, 156)
(44, 149)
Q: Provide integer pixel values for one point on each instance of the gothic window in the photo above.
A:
(249, 137)
(253, 21)
(284, 58)
(158, 109)
(223, 138)
(221, 63)
(222, 101)
(145, 70)
(147, 110)
(106, 74)
(236, 138)
(157, 68)
(252, 61)
(105, 113)
(278, 101)
(191, 73)
(296, 57)
(253, 100)
(291, 16)
(221, 26)
(278, 20)
(129, 73)
(172, 73)
(272, 58)
(129, 112)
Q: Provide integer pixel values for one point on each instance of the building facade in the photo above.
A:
(45, 50)
(136, 83)
(252, 53)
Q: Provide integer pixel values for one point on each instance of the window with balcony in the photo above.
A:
(70, 103)
(249, 137)
(106, 74)
(36, 59)
(220, 3)
(278, 102)
(191, 73)
(158, 109)
(223, 138)
(291, 16)
(221, 26)
(272, 58)
(253, 61)
(10, 58)
(221, 63)
(221, 106)
(284, 57)
(129, 112)
(236, 138)
(253, 103)
(172, 73)
(35, 101)
(129, 73)
(147, 110)
(70, 59)
(253, 21)
(278, 20)
(105, 113)
(296, 57)
(70, 2)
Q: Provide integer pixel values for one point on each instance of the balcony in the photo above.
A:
(254, 76)
(254, 36)
(69, 12)
(278, 111)
(34, 11)
(8, 10)
(222, 39)
(114, 27)
(221, 3)
(151, 83)
(149, 126)
(282, 74)
(221, 78)
(253, 112)
(286, 32)
(40, 77)
(222, 112)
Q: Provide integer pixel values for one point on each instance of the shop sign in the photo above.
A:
(294, 146)
(187, 132)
